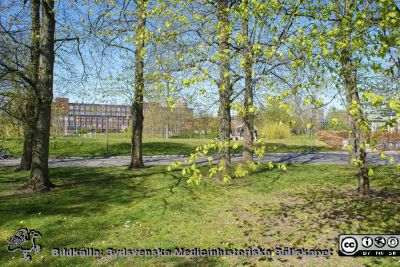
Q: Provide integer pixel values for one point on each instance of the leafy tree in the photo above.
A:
(207, 124)
(18, 72)
(20, 51)
(338, 119)
(346, 41)
(224, 86)
(137, 105)
(248, 52)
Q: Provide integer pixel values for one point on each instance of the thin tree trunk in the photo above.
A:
(357, 119)
(248, 91)
(30, 120)
(225, 87)
(167, 128)
(39, 179)
(153, 127)
(351, 139)
(363, 179)
(137, 105)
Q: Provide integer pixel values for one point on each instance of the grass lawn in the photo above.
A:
(119, 144)
(300, 143)
(307, 206)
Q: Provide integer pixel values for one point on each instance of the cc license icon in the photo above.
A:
(348, 245)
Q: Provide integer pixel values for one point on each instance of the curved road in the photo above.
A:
(308, 158)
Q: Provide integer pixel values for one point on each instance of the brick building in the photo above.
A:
(159, 121)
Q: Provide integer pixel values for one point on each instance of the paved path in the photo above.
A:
(310, 157)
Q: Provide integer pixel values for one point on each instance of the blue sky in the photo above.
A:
(96, 80)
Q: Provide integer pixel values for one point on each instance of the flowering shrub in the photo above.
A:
(385, 140)
(381, 140)
(333, 138)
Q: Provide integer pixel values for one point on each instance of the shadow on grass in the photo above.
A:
(87, 204)
(77, 193)
(310, 206)
(306, 206)
(353, 214)
(86, 191)
(196, 261)
(324, 214)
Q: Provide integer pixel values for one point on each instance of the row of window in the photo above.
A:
(103, 130)
(110, 113)
(87, 109)
(99, 108)
(111, 119)
(87, 113)
(97, 125)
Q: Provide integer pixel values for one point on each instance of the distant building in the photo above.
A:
(83, 117)
(237, 129)
(323, 122)
(378, 118)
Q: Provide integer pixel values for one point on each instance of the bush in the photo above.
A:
(273, 130)
(336, 126)
(385, 140)
(333, 138)
(379, 139)
(10, 127)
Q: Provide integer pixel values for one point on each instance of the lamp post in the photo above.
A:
(108, 123)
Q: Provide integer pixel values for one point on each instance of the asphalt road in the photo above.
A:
(308, 158)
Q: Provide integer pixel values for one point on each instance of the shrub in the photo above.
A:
(273, 130)
(379, 139)
(9, 127)
(385, 140)
(333, 138)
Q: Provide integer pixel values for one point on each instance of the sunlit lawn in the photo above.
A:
(307, 206)
(302, 143)
(119, 144)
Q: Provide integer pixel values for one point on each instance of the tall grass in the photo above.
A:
(273, 130)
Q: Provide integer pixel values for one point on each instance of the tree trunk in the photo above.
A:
(39, 179)
(363, 180)
(248, 91)
(153, 127)
(30, 120)
(137, 105)
(352, 139)
(225, 87)
(357, 119)
(166, 128)
(26, 159)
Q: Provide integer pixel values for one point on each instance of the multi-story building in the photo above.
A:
(83, 117)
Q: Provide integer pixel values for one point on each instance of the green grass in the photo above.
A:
(307, 206)
(119, 144)
(300, 143)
